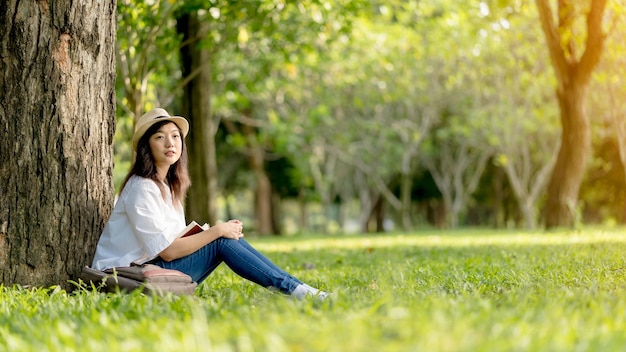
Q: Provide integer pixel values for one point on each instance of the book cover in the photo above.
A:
(192, 229)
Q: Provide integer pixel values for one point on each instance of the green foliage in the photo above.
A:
(467, 290)
(147, 48)
(356, 93)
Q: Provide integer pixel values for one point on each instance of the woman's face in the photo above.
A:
(166, 145)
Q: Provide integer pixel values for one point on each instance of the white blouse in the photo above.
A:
(141, 226)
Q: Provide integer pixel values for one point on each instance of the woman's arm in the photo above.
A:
(184, 246)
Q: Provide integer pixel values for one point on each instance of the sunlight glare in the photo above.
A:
(484, 9)
(431, 241)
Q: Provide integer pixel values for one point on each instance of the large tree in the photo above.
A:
(57, 112)
(573, 60)
(196, 67)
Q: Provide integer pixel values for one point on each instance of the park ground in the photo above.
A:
(465, 290)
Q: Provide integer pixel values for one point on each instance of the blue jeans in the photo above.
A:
(241, 257)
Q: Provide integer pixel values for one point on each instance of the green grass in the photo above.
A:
(467, 290)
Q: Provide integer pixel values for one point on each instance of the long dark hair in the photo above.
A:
(177, 176)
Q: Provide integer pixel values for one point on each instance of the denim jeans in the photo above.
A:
(241, 257)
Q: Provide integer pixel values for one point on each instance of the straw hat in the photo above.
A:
(153, 116)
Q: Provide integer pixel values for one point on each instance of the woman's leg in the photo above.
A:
(264, 259)
(302, 290)
(237, 254)
(199, 265)
(250, 264)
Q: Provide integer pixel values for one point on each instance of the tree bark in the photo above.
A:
(201, 199)
(405, 196)
(263, 190)
(571, 160)
(303, 221)
(263, 206)
(276, 213)
(378, 215)
(573, 73)
(457, 172)
(57, 112)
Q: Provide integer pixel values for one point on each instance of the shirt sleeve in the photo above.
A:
(147, 214)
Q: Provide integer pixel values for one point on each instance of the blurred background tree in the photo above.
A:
(372, 116)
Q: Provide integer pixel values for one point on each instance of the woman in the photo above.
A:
(148, 217)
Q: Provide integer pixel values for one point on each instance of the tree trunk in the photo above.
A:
(276, 213)
(573, 73)
(201, 199)
(498, 198)
(255, 154)
(303, 222)
(379, 214)
(375, 216)
(262, 193)
(57, 110)
(405, 191)
(571, 161)
(527, 208)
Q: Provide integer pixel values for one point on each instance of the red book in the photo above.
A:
(192, 229)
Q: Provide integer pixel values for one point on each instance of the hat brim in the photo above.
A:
(180, 121)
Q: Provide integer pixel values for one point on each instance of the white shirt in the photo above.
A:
(141, 226)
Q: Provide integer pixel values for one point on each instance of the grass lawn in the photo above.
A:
(466, 290)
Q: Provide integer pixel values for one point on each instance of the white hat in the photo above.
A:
(153, 116)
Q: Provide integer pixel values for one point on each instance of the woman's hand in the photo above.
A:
(232, 229)
(184, 246)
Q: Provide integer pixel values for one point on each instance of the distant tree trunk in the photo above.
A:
(405, 196)
(378, 213)
(255, 153)
(374, 221)
(263, 191)
(263, 200)
(303, 222)
(618, 122)
(498, 198)
(572, 158)
(276, 213)
(457, 172)
(201, 198)
(57, 112)
(573, 72)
